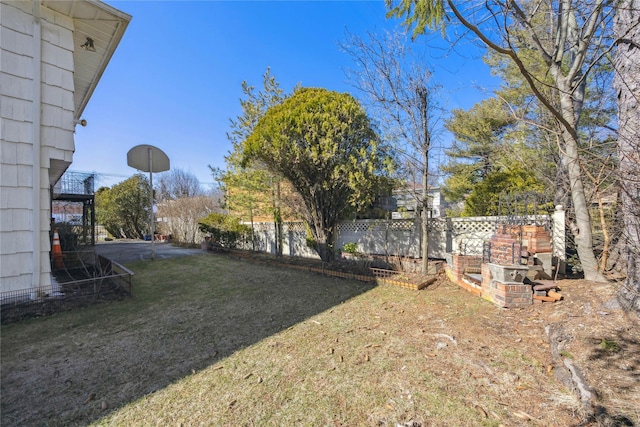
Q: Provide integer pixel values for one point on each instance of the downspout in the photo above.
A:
(37, 97)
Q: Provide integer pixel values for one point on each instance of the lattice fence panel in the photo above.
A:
(469, 234)
(294, 226)
(397, 237)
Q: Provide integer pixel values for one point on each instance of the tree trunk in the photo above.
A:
(424, 95)
(253, 234)
(606, 239)
(324, 247)
(278, 220)
(322, 232)
(583, 237)
(425, 216)
(627, 85)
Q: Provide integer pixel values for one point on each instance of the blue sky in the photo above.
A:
(175, 79)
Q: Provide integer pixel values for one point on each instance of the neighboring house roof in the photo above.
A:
(101, 23)
(406, 187)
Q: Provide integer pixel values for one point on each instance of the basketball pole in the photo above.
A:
(153, 240)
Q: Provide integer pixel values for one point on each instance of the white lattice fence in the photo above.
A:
(397, 237)
(393, 237)
(468, 234)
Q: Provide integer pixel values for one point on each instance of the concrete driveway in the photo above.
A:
(125, 251)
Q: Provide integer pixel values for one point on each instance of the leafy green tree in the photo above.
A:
(484, 198)
(323, 143)
(124, 208)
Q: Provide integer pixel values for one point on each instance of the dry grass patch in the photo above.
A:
(215, 341)
(187, 313)
(387, 357)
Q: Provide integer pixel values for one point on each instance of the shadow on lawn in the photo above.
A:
(109, 356)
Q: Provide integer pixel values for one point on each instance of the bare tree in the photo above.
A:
(627, 85)
(179, 217)
(176, 184)
(569, 38)
(181, 204)
(403, 98)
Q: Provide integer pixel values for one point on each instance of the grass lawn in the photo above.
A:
(210, 340)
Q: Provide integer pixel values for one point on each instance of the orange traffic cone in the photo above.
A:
(56, 250)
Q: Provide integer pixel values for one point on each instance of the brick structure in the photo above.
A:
(509, 243)
(504, 248)
(502, 285)
(461, 264)
(502, 272)
(536, 239)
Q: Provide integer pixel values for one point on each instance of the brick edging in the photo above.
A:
(340, 274)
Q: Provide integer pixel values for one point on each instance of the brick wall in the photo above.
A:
(511, 242)
(505, 249)
(461, 263)
(504, 294)
(536, 239)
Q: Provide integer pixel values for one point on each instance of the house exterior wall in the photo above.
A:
(407, 203)
(36, 110)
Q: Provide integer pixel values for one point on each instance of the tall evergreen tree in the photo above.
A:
(476, 148)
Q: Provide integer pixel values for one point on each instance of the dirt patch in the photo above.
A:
(219, 341)
(603, 342)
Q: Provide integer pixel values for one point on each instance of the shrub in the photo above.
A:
(225, 230)
(350, 248)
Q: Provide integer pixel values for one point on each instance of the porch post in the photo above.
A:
(559, 239)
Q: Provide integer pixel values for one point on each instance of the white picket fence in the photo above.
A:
(402, 237)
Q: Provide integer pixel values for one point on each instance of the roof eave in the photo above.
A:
(124, 20)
